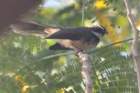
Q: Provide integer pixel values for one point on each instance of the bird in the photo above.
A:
(77, 38)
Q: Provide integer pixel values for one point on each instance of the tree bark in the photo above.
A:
(135, 43)
(11, 10)
(86, 71)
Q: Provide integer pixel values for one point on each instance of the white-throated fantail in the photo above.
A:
(80, 38)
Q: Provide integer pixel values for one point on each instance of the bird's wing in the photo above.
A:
(72, 34)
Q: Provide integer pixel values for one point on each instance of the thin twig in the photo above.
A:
(135, 43)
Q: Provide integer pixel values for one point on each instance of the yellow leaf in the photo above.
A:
(122, 21)
(18, 77)
(100, 4)
(25, 89)
(62, 60)
(105, 22)
(138, 24)
(60, 90)
(20, 80)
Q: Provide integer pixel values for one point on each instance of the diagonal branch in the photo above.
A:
(135, 43)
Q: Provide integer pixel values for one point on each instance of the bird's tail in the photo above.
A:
(29, 28)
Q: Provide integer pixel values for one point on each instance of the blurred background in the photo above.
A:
(27, 66)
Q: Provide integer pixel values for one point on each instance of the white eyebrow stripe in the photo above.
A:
(101, 27)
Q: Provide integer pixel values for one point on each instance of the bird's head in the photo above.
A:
(99, 31)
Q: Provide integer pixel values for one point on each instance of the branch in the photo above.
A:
(134, 29)
(11, 10)
(86, 70)
(135, 43)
